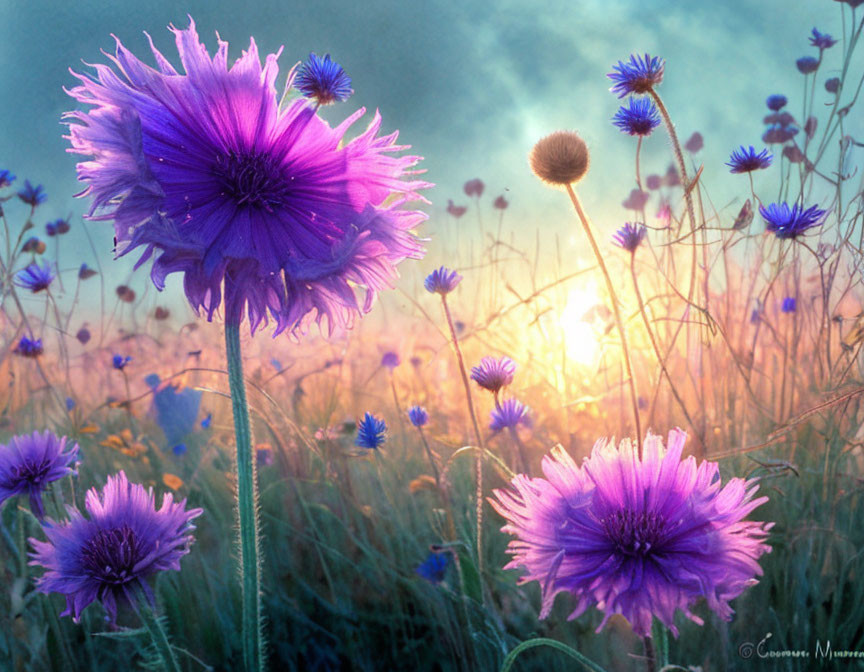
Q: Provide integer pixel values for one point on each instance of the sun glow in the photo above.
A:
(581, 322)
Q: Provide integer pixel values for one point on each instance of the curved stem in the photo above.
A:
(247, 506)
(587, 663)
(478, 435)
(613, 297)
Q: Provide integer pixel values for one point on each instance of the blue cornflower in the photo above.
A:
(510, 414)
(442, 281)
(639, 75)
(70, 404)
(29, 348)
(776, 102)
(807, 64)
(110, 555)
(324, 80)
(630, 236)
(264, 455)
(371, 432)
(86, 272)
(492, 374)
(434, 567)
(6, 178)
(35, 277)
(789, 305)
(29, 462)
(822, 40)
(206, 422)
(638, 117)
(785, 222)
(832, 85)
(179, 449)
(119, 362)
(418, 416)
(390, 360)
(31, 195)
(746, 160)
(57, 227)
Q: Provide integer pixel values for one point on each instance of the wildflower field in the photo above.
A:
(336, 416)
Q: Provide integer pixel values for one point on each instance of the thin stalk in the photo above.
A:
(157, 634)
(613, 297)
(650, 658)
(247, 506)
(477, 434)
(431, 457)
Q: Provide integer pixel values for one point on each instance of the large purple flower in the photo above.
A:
(109, 556)
(207, 174)
(636, 537)
(29, 462)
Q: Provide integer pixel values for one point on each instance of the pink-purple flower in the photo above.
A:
(637, 537)
(493, 373)
(210, 178)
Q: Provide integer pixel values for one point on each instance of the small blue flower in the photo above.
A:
(29, 348)
(442, 281)
(35, 277)
(755, 316)
(510, 414)
(324, 80)
(832, 85)
(179, 449)
(119, 362)
(776, 102)
(57, 227)
(86, 272)
(434, 567)
(822, 40)
(371, 432)
(746, 160)
(789, 305)
(264, 456)
(31, 195)
(418, 416)
(785, 222)
(807, 64)
(70, 404)
(6, 178)
(630, 236)
(638, 117)
(638, 76)
(206, 422)
(390, 360)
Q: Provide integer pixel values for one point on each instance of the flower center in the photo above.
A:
(31, 471)
(251, 179)
(111, 555)
(634, 533)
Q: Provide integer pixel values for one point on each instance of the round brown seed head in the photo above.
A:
(560, 158)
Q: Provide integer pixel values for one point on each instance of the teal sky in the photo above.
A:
(471, 85)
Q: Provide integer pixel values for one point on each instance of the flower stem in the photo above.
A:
(247, 506)
(613, 297)
(157, 634)
(650, 658)
(478, 435)
(587, 663)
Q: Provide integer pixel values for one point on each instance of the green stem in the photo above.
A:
(542, 641)
(157, 634)
(660, 636)
(247, 506)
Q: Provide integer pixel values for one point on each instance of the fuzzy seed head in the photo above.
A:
(560, 158)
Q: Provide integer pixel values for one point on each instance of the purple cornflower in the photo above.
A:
(434, 567)
(786, 222)
(746, 160)
(832, 85)
(474, 187)
(777, 135)
(390, 360)
(638, 76)
(57, 228)
(807, 64)
(418, 416)
(694, 143)
(779, 119)
(109, 555)
(637, 199)
(630, 236)
(371, 432)
(31, 195)
(492, 374)
(500, 203)
(29, 348)
(789, 305)
(6, 178)
(509, 415)
(35, 277)
(822, 40)
(442, 281)
(324, 80)
(288, 216)
(776, 102)
(637, 537)
(638, 117)
(85, 272)
(29, 462)
(119, 362)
